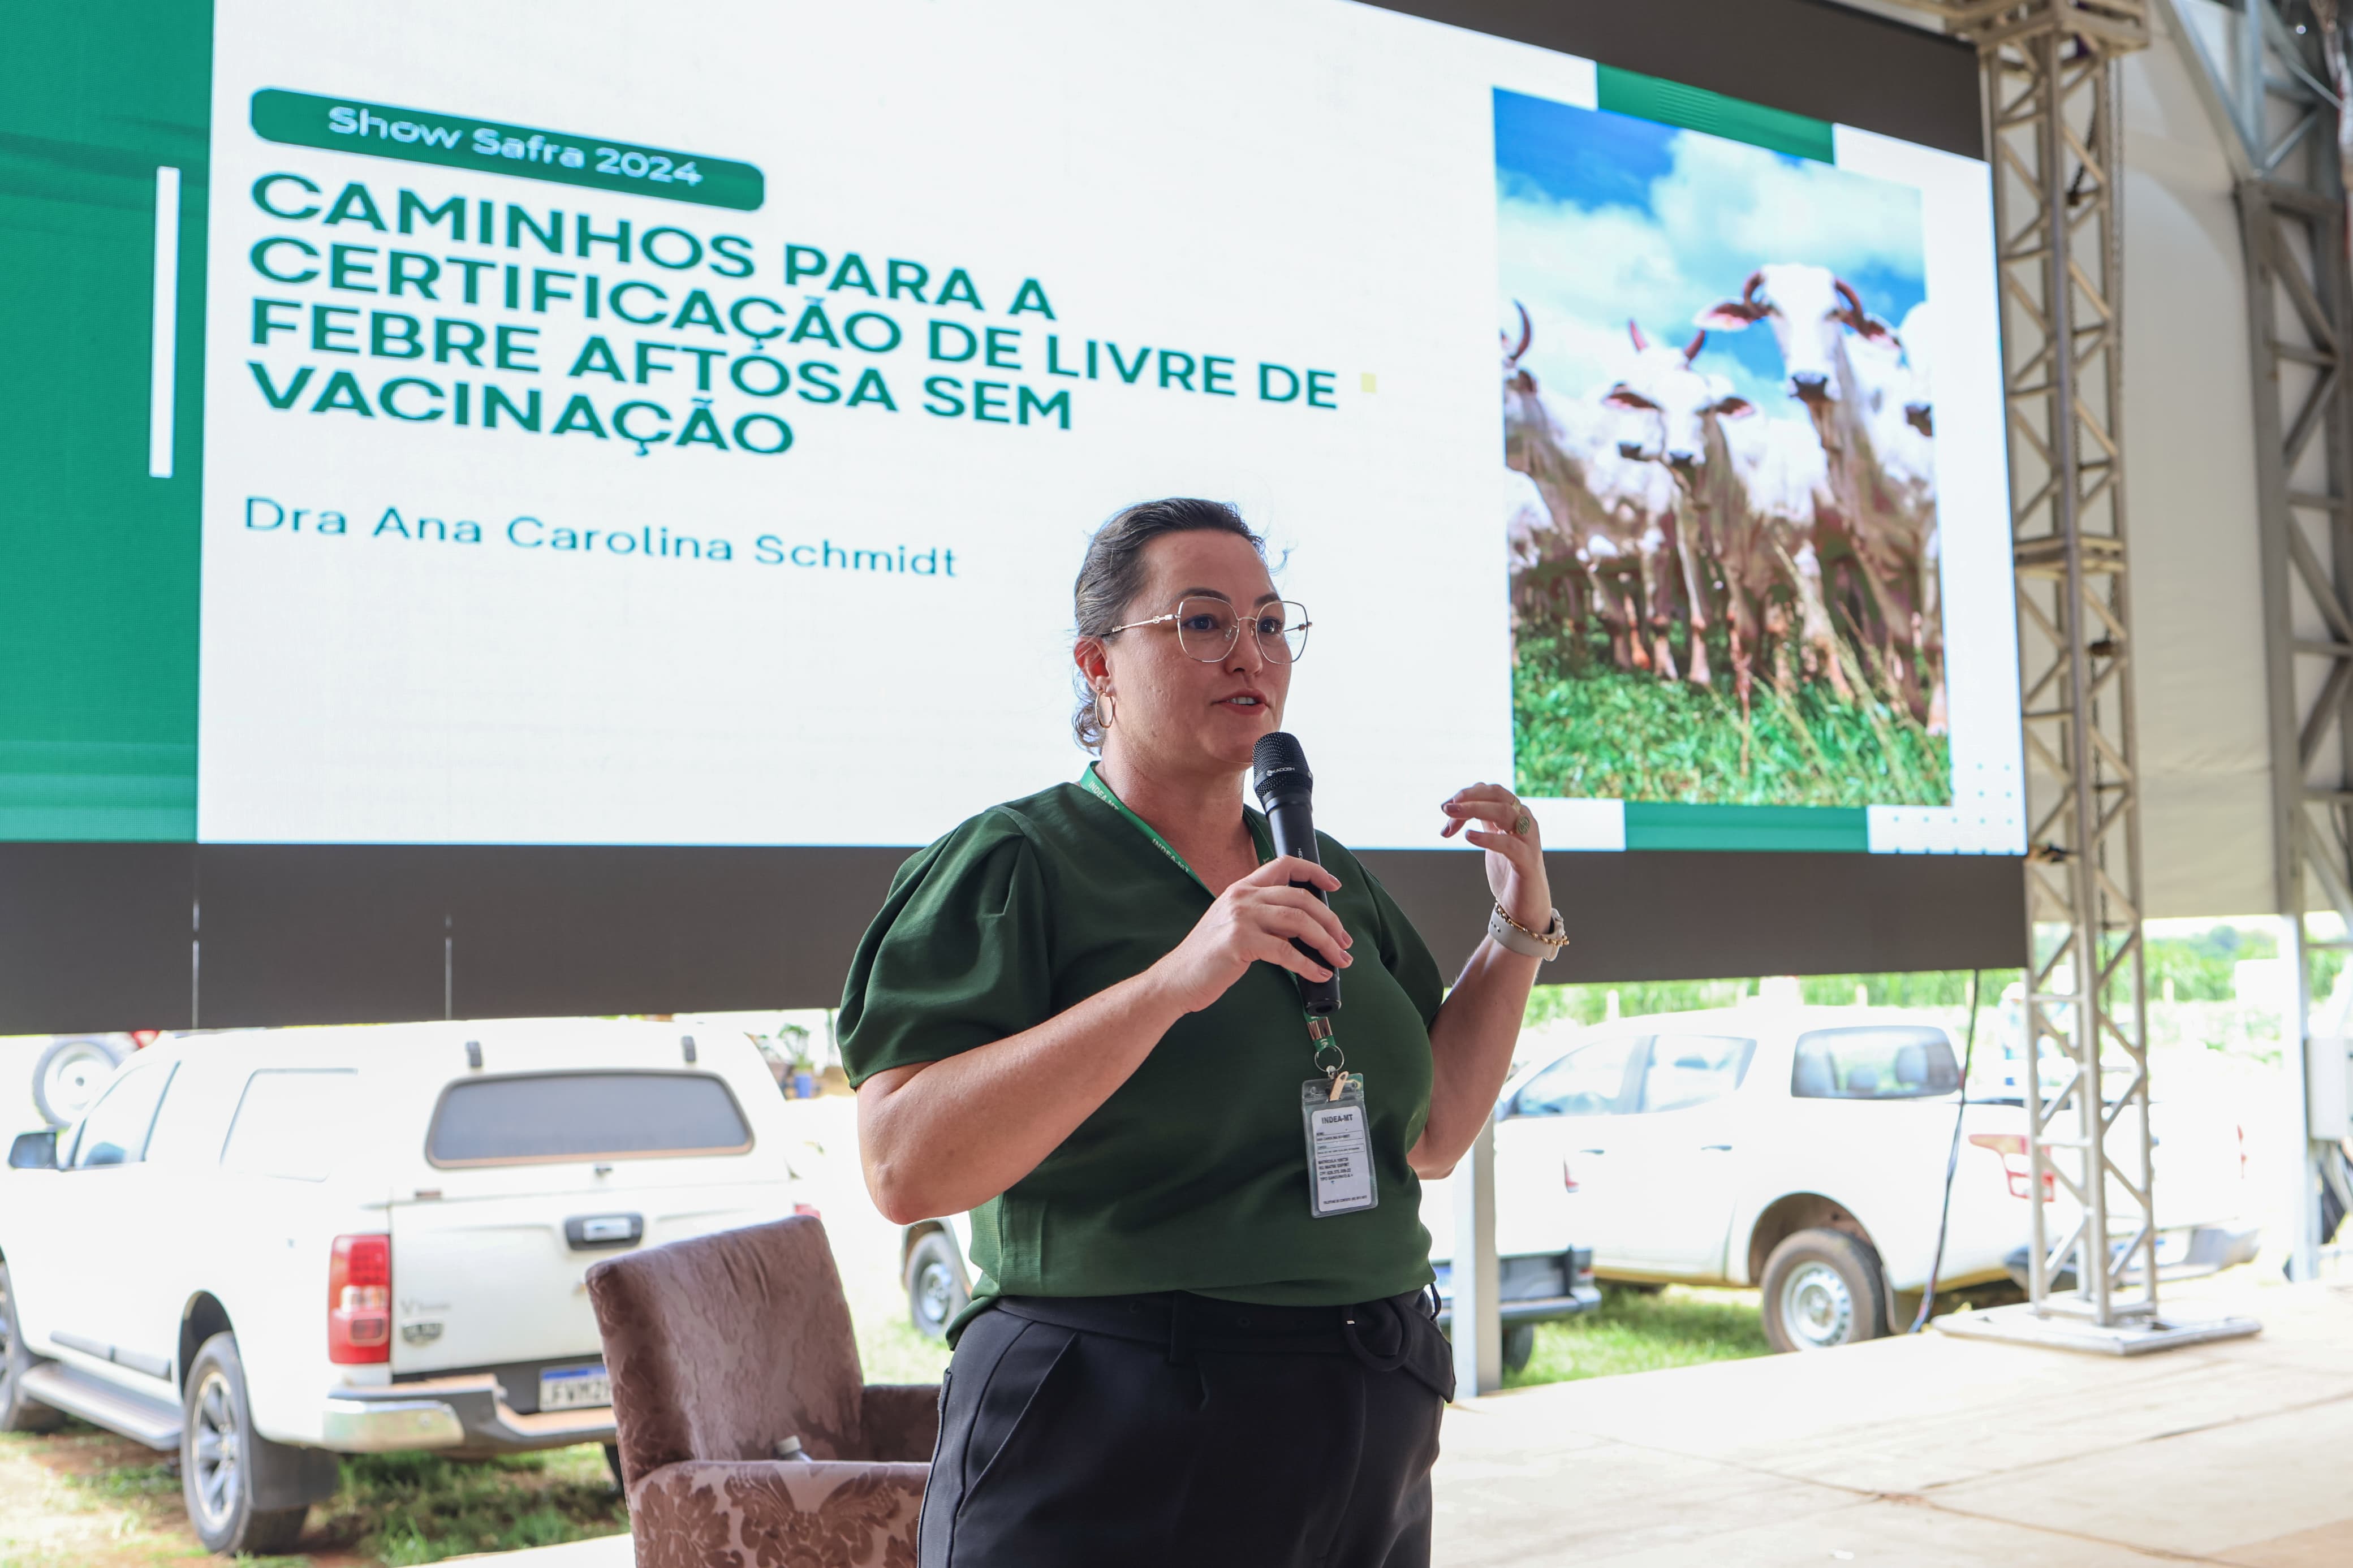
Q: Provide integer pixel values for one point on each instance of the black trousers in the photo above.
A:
(1131, 1431)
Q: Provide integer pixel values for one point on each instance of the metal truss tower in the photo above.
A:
(2052, 116)
(2272, 76)
(2055, 147)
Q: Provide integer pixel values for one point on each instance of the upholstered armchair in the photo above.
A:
(724, 1349)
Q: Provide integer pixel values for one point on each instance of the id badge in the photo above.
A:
(1339, 1145)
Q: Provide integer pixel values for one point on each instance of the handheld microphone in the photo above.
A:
(1285, 790)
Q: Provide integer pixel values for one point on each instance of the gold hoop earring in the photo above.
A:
(1104, 709)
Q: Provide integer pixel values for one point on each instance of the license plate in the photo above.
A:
(574, 1387)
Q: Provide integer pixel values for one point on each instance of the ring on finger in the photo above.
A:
(1521, 824)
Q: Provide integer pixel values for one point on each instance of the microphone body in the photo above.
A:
(1286, 792)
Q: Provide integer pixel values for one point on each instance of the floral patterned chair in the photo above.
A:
(725, 1347)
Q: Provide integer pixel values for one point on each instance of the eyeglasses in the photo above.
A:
(1206, 629)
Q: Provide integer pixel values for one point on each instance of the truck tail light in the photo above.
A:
(1567, 1179)
(359, 1301)
(2012, 1146)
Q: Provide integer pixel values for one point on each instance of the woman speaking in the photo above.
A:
(1077, 1016)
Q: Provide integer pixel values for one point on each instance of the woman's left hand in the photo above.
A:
(1493, 817)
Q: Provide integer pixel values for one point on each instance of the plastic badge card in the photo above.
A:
(1339, 1145)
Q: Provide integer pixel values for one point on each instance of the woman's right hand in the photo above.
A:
(1254, 920)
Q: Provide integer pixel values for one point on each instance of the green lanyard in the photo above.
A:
(1319, 1029)
(1092, 782)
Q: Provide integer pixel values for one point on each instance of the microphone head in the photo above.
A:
(1279, 767)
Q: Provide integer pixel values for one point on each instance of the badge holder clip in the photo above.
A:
(1338, 1130)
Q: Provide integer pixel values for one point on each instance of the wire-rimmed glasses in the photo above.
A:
(1207, 628)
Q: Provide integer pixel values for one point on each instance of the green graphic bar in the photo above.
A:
(1654, 824)
(1696, 109)
(493, 147)
(104, 174)
(119, 790)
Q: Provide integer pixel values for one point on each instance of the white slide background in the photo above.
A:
(1300, 181)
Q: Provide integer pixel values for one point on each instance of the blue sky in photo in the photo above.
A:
(1604, 217)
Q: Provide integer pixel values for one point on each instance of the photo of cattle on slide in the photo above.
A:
(1719, 466)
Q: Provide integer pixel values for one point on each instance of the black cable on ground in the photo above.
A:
(1952, 1158)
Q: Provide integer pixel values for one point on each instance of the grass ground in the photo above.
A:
(1681, 1325)
(81, 1498)
(86, 1498)
(889, 1350)
(403, 1508)
(78, 1499)
(1640, 1331)
(1583, 728)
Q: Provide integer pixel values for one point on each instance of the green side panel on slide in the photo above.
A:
(1696, 109)
(1657, 825)
(99, 563)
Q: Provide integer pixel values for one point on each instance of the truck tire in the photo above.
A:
(19, 1412)
(1519, 1346)
(936, 1290)
(1823, 1287)
(70, 1075)
(220, 1457)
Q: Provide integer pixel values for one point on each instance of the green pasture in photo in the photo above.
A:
(1583, 728)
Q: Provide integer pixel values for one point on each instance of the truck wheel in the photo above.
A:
(1519, 1346)
(936, 1290)
(220, 1454)
(19, 1412)
(69, 1077)
(1823, 1287)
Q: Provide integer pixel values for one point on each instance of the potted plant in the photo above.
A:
(793, 1044)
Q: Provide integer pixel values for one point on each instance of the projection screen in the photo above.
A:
(525, 519)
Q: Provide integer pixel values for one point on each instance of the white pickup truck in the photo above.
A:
(1545, 1273)
(1541, 1280)
(1803, 1151)
(262, 1248)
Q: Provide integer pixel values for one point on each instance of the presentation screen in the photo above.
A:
(513, 515)
(615, 435)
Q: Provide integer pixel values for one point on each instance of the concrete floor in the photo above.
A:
(1930, 1450)
(1941, 1452)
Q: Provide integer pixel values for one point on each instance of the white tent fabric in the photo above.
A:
(2189, 479)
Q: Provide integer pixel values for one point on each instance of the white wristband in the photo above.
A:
(1546, 946)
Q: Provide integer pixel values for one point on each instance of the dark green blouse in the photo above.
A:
(1192, 1176)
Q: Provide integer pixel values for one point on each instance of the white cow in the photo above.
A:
(1918, 335)
(1843, 365)
(1529, 535)
(1611, 518)
(1898, 399)
(1785, 483)
(1754, 493)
